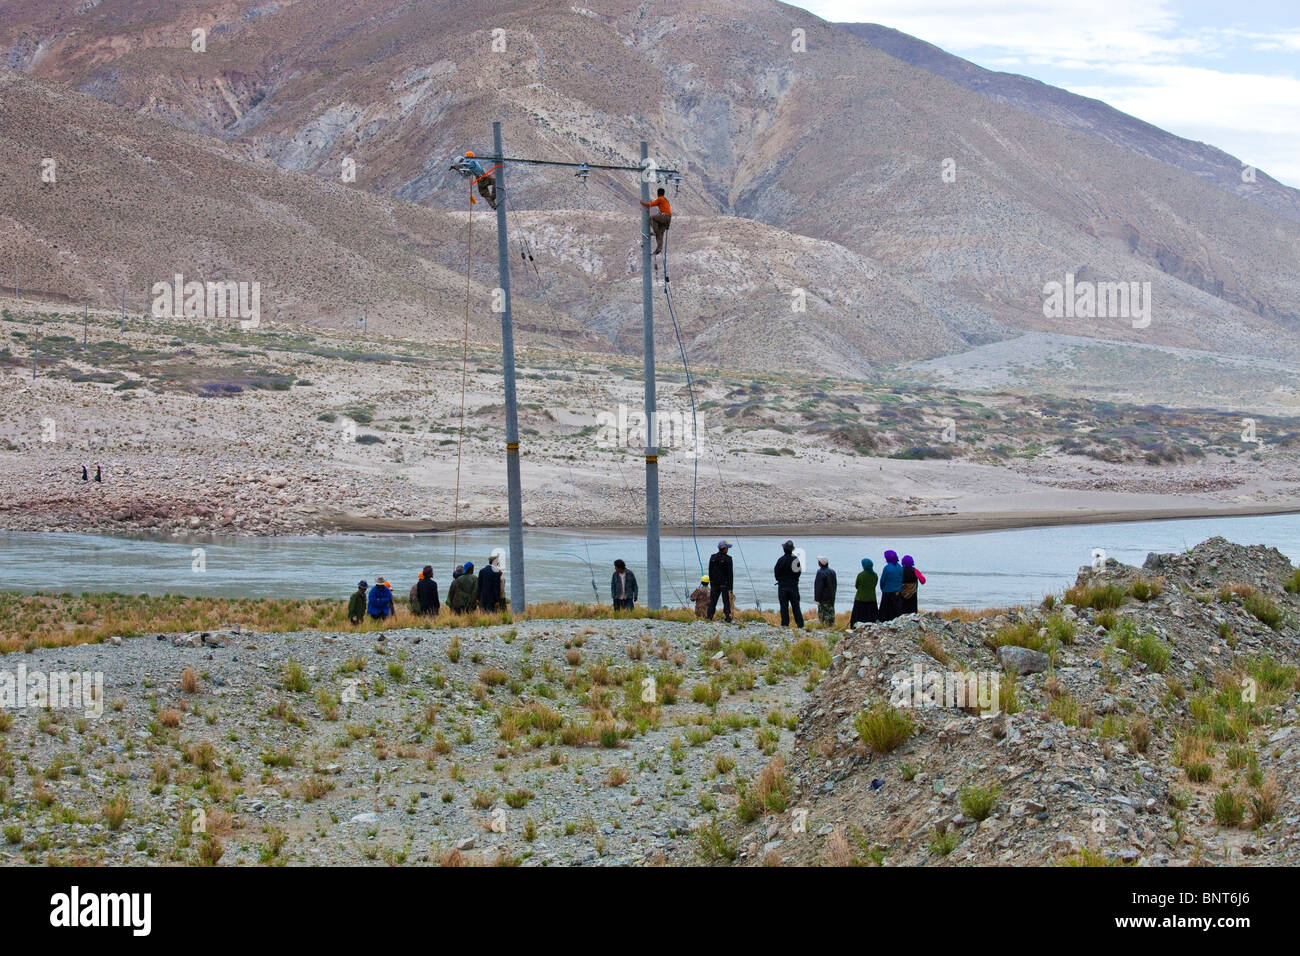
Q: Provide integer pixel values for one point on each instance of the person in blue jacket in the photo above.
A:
(380, 604)
(891, 586)
(487, 185)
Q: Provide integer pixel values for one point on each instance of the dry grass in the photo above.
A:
(219, 822)
(773, 787)
(884, 728)
(968, 614)
(169, 717)
(115, 811)
(932, 646)
(1265, 804)
(838, 851)
(1140, 735)
(31, 621)
(190, 681)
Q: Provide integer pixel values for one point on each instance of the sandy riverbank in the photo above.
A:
(916, 525)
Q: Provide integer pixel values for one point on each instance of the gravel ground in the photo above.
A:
(384, 749)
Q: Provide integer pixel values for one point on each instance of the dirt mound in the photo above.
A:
(1160, 731)
(1218, 561)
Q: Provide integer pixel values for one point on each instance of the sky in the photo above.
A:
(1227, 74)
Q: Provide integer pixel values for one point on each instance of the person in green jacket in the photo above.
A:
(864, 599)
(357, 604)
(462, 596)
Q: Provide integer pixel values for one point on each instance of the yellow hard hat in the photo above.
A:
(705, 579)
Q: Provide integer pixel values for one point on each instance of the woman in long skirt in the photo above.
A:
(912, 577)
(891, 583)
(864, 598)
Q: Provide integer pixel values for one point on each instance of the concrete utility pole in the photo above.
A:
(497, 165)
(651, 415)
(513, 482)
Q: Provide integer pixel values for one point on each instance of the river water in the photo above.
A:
(971, 569)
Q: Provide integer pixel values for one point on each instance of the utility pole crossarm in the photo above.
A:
(494, 160)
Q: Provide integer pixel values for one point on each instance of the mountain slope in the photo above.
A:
(843, 144)
(1086, 115)
(135, 202)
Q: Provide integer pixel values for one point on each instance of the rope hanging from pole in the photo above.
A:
(690, 390)
(464, 370)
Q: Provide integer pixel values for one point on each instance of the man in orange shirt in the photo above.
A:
(661, 220)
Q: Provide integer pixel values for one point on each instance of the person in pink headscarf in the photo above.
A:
(912, 578)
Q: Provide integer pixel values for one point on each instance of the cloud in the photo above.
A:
(1081, 30)
(1252, 116)
(1201, 81)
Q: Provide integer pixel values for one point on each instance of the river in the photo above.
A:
(968, 569)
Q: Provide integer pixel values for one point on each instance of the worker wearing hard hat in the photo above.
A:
(701, 598)
(487, 186)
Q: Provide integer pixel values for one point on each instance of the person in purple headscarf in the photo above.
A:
(912, 577)
(891, 584)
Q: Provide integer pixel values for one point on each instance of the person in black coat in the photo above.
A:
(622, 586)
(787, 571)
(426, 593)
(720, 581)
(489, 585)
(824, 587)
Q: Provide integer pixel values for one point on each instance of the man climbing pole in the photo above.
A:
(487, 186)
(661, 220)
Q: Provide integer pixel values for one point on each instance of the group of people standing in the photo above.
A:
(470, 590)
(898, 582)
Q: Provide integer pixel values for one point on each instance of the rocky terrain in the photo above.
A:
(282, 431)
(1158, 727)
(1149, 717)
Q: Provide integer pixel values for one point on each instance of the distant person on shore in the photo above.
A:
(824, 587)
(661, 220)
(622, 586)
(99, 472)
(720, 581)
(426, 594)
(85, 476)
(380, 604)
(864, 596)
(912, 576)
(412, 599)
(701, 598)
(489, 583)
(462, 596)
(787, 570)
(891, 582)
(357, 603)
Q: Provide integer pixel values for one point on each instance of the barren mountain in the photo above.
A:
(837, 148)
(134, 201)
